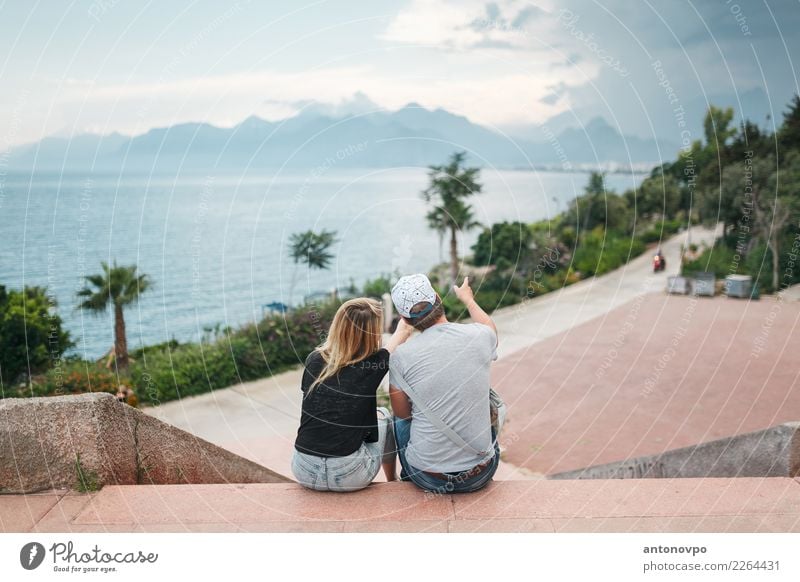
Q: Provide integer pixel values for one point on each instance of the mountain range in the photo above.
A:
(409, 136)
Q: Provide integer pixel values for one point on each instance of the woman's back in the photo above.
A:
(339, 414)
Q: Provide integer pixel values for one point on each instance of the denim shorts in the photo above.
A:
(350, 473)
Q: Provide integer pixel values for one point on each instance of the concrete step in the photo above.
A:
(648, 505)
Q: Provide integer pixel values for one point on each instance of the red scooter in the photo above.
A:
(659, 263)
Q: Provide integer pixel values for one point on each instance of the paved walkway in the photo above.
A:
(259, 420)
(658, 373)
(649, 505)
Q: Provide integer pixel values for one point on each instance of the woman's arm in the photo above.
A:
(400, 335)
(401, 406)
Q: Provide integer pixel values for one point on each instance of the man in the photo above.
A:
(439, 388)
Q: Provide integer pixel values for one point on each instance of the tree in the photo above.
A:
(31, 333)
(750, 138)
(506, 244)
(312, 249)
(450, 185)
(118, 286)
(598, 207)
(766, 199)
(729, 203)
(789, 134)
(717, 127)
(705, 162)
(776, 204)
(659, 196)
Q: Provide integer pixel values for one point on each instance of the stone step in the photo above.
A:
(648, 505)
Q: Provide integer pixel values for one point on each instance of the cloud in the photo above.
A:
(498, 62)
(465, 24)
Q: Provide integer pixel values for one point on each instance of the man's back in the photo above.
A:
(448, 366)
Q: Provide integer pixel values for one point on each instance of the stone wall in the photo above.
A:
(773, 452)
(41, 440)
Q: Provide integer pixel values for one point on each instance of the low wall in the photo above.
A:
(773, 452)
(41, 438)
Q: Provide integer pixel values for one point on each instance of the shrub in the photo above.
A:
(492, 291)
(377, 287)
(31, 334)
(651, 235)
(660, 230)
(170, 370)
(74, 377)
(718, 259)
(505, 242)
(600, 252)
(253, 351)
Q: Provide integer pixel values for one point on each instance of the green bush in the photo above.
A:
(718, 259)
(660, 230)
(73, 377)
(377, 287)
(31, 333)
(568, 237)
(504, 244)
(250, 352)
(492, 291)
(651, 235)
(170, 370)
(600, 252)
(671, 226)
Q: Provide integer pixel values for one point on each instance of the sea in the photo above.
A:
(216, 246)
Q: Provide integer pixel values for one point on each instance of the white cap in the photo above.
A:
(409, 291)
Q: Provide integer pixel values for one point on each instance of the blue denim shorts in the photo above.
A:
(350, 473)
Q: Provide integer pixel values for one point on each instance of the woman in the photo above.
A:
(343, 437)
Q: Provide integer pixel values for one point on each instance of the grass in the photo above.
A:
(87, 480)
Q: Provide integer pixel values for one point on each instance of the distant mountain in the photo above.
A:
(753, 104)
(597, 140)
(77, 151)
(410, 136)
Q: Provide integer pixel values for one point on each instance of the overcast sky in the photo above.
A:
(120, 65)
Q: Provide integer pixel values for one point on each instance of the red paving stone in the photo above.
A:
(655, 374)
(22, 512)
(710, 524)
(618, 498)
(257, 503)
(649, 505)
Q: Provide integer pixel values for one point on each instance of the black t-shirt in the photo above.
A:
(340, 413)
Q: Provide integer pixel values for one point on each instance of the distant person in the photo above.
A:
(439, 388)
(659, 262)
(343, 437)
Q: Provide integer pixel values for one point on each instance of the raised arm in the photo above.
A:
(476, 313)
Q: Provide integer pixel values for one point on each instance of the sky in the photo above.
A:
(108, 66)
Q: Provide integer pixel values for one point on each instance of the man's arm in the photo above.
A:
(401, 405)
(476, 313)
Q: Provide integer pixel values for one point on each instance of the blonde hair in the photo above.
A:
(355, 333)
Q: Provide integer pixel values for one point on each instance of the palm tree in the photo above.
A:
(450, 185)
(311, 249)
(120, 286)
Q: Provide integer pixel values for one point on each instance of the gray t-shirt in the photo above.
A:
(448, 366)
